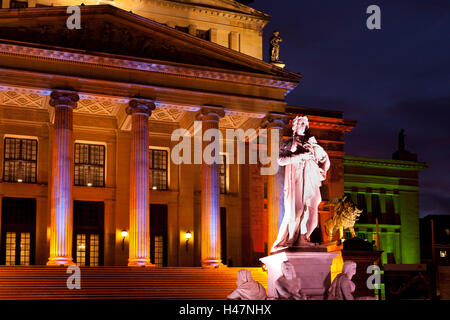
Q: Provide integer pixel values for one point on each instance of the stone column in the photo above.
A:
(61, 204)
(275, 183)
(210, 215)
(139, 254)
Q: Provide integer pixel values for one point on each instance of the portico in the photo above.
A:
(125, 107)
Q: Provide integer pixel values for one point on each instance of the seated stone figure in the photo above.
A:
(343, 287)
(247, 288)
(289, 286)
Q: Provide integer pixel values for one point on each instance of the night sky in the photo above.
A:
(389, 79)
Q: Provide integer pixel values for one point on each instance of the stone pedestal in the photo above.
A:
(312, 265)
(279, 64)
(363, 260)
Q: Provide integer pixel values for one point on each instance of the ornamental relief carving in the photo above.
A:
(106, 36)
(28, 100)
(99, 107)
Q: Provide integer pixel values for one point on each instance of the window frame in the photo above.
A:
(151, 161)
(223, 165)
(35, 162)
(90, 146)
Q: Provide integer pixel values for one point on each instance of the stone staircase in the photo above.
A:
(105, 283)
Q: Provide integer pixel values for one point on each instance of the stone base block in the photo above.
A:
(313, 268)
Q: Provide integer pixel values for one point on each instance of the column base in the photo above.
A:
(212, 264)
(60, 261)
(140, 262)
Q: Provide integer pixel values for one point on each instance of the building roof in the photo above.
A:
(107, 29)
(228, 5)
(385, 163)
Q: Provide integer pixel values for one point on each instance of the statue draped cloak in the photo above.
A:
(301, 184)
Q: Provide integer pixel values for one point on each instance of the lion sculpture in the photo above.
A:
(345, 215)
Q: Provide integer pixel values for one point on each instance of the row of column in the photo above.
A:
(61, 201)
(64, 102)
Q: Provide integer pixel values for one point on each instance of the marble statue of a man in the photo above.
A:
(289, 286)
(306, 164)
(247, 288)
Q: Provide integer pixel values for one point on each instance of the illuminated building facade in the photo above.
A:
(86, 118)
(388, 191)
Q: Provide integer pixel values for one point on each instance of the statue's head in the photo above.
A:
(244, 276)
(288, 270)
(299, 125)
(349, 269)
(276, 33)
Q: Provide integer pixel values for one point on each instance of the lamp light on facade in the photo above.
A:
(20, 172)
(89, 177)
(264, 267)
(188, 236)
(124, 234)
(154, 188)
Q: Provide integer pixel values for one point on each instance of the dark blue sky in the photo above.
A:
(389, 79)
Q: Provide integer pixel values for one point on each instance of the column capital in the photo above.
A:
(275, 120)
(211, 113)
(64, 98)
(141, 106)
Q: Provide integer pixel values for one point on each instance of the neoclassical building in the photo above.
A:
(86, 119)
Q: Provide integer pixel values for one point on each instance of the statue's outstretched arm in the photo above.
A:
(284, 161)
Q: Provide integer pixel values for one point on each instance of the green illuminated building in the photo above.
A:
(387, 190)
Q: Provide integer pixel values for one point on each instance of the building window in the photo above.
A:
(25, 245)
(158, 169)
(20, 160)
(376, 210)
(223, 175)
(361, 202)
(81, 250)
(362, 235)
(89, 165)
(10, 249)
(390, 209)
(94, 250)
(182, 29)
(14, 4)
(204, 34)
(159, 251)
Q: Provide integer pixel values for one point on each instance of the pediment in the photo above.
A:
(107, 29)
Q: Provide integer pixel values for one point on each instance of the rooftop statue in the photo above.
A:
(275, 47)
(247, 288)
(289, 286)
(306, 165)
